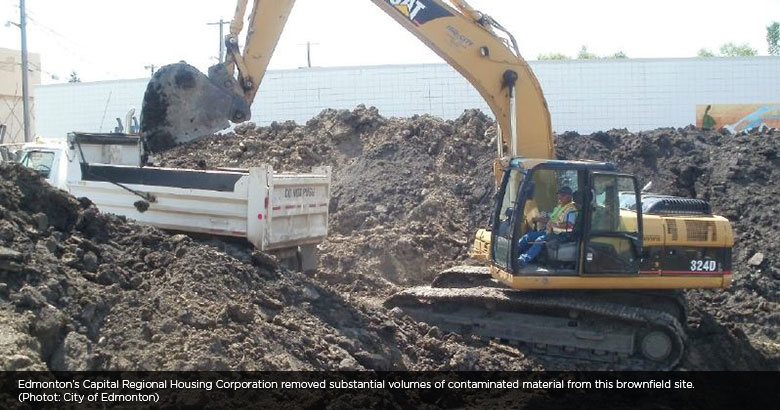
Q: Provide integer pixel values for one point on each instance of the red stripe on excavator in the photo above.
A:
(276, 208)
(683, 272)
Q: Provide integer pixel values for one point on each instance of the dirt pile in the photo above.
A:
(390, 176)
(83, 290)
(80, 290)
(408, 194)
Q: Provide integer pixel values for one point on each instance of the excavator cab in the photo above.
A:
(599, 239)
(582, 294)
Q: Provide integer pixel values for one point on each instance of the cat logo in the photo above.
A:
(410, 8)
(420, 12)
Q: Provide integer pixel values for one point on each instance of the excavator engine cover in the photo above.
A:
(181, 104)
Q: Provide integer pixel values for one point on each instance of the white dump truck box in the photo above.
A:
(271, 210)
(286, 213)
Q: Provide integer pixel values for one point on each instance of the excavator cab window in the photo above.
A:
(528, 202)
(505, 218)
(593, 235)
(614, 236)
(543, 212)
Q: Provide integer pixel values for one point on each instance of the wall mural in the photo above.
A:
(738, 117)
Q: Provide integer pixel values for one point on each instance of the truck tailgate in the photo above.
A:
(297, 212)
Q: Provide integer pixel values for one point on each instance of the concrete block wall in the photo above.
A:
(583, 95)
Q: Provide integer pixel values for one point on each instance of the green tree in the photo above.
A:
(553, 56)
(734, 50)
(74, 77)
(773, 38)
(584, 54)
(705, 53)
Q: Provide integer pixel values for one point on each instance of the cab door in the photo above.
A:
(613, 236)
(504, 218)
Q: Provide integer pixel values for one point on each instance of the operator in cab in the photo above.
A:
(561, 219)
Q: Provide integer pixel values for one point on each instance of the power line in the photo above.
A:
(151, 68)
(35, 68)
(76, 53)
(61, 40)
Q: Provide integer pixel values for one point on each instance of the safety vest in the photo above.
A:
(558, 215)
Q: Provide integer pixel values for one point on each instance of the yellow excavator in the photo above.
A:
(606, 288)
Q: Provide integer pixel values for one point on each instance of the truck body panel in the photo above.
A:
(274, 211)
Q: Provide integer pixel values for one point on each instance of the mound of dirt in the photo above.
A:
(409, 193)
(407, 197)
(81, 290)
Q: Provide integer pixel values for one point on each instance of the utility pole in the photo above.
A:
(151, 68)
(308, 51)
(25, 87)
(221, 38)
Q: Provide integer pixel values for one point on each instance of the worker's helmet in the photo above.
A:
(564, 190)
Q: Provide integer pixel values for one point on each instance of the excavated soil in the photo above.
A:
(83, 290)
(408, 193)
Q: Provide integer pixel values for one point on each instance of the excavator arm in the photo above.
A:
(266, 23)
(180, 106)
(467, 39)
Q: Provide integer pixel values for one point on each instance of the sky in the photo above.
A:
(110, 40)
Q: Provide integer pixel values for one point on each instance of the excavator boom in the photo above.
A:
(467, 40)
(182, 104)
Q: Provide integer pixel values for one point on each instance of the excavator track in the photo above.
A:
(465, 277)
(595, 326)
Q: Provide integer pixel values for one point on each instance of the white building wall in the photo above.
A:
(583, 95)
(88, 107)
(394, 90)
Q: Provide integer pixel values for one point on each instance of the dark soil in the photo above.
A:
(81, 290)
(409, 194)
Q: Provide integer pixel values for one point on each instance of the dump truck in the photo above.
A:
(285, 214)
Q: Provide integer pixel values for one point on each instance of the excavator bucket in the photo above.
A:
(181, 104)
